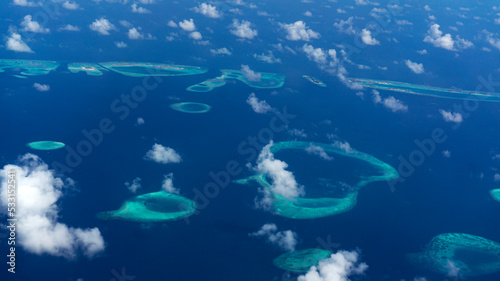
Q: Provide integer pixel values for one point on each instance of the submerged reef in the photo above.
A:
(314, 80)
(92, 69)
(310, 208)
(142, 69)
(459, 254)
(153, 207)
(191, 107)
(301, 260)
(29, 67)
(427, 90)
(266, 81)
(45, 145)
(495, 193)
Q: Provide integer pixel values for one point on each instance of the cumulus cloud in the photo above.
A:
(162, 154)
(140, 121)
(195, 35)
(25, 3)
(259, 106)
(391, 102)
(346, 26)
(345, 146)
(168, 184)
(69, 27)
(243, 29)
(33, 26)
(71, 5)
(437, 39)
(496, 177)
(41, 87)
(298, 31)
(328, 61)
(454, 117)
(187, 25)
(172, 24)
(139, 10)
(338, 267)
(134, 186)
(417, 68)
(102, 26)
(366, 37)
(297, 133)
(121, 44)
(249, 74)
(318, 150)
(38, 228)
(135, 34)
(16, 44)
(287, 240)
(220, 51)
(207, 10)
(267, 58)
(282, 181)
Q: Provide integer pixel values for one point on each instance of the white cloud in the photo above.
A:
(427, 8)
(346, 26)
(171, 23)
(195, 35)
(125, 23)
(423, 52)
(446, 153)
(307, 14)
(102, 26)
(496, 177)
(69, 27)
(25, 3)
(282, 181)
(391, 102)
(207, 10)
(287, 240)
(139, 10)
(220, 51)
(187, 25)
(140, 121)
(345, 146)
(403, 22)
(243, 29)
(298, 31)
(33, 26)
(318, 150)
(249, 74)
(38, 228)
(338, 267)
(454, 117)
(328, 61)
(366, 37)
(71, 5)
(168, 184)
(16, 44)
(121, 44)
(41, 87)
(134, 186)
(436, 38)
(134, 34)
(267, 58)
(297, 133)
(162, 154)
(417, 68)
(259, 106)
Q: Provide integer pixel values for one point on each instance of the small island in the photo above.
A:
(45, 145)
(314, 80)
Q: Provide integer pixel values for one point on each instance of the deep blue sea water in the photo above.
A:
(442, 195)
